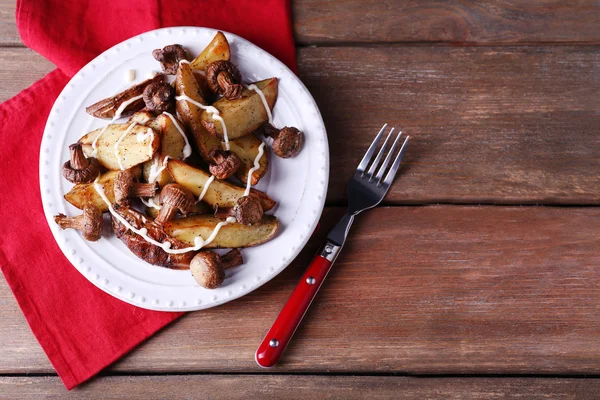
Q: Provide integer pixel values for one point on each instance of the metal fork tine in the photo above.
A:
(365, 161)
(390, 176)
(388, 158)
(373, 167)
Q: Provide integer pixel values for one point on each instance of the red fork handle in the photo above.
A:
(293, 311)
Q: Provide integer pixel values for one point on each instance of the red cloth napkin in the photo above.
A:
(81, 328)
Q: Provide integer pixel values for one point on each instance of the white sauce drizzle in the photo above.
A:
(264, 100)
(215, 114)
(120, 110)
(187, 149)
(205, 188)
(130, 75)
(166, 246)
(150, 203)
(261, 150)
(154, 170)
(184, 61)
(143, 136)
(129, 129)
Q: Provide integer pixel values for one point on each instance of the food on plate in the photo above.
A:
(211, 190)
(232, 235)
(224, 78)
(208, 268)
(242, 116)
(79, 169)
(89, 223)
(287, 141)
(169, 57)
(217, 50)
(127, 102)
(169, 201)
(83, 194)
(121, 146)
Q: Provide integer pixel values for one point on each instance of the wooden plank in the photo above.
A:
(463, 21)
(419, 290)
(488, 124)
(322, 21)
(299, 387)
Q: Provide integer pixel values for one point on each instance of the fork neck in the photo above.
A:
(339, 233)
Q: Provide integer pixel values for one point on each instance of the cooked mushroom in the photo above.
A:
(224, 78)
(126, 187)
(169, 57)
(173, 198)
(208, 267)
(247, 211)
(80, 169)
(224, 163)
(159, 97)
(89, 223)
(287, 142)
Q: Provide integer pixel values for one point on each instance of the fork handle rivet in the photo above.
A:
(273, 342)
(310, 280)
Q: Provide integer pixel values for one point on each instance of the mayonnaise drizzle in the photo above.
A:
(264, 100)
(150, 203)
(205, 188)
(212, 110)
(154, 170)
(143, 136)
(261, 150)
(166, 246)
(129, 129)
(187, 149)
(118, 113)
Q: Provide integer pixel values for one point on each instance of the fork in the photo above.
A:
(366, 189)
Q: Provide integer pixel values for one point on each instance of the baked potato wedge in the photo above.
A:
(142, 117)
(186, 84)
(246, 149)
(84, 193)
(230, 236)
(221, 193)
(217, 50)
(107, 108)
(244, 115)
(132, 150)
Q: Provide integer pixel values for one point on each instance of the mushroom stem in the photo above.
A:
(144, 189)
(89, 223)
(78, 159)
(232, 259)
(65, 222)
(166, 213)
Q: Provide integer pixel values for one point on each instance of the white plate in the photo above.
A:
(298, 184)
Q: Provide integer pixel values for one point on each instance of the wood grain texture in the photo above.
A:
(497, 21)
(488, 124)
(419, 290)
(464, 21)
(176, 387)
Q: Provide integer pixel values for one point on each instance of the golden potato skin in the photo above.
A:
(217, 50)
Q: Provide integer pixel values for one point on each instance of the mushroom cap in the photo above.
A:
(248, 210)
(159, 97)
(230, 82)
(92, 223)
(207, 270)
(288, 142)
(85, 175)
(176, 196)
(169, 57)
(224, 164)
(122, 186)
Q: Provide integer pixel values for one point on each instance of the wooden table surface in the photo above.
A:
(478, 276)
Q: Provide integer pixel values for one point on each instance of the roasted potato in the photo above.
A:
(84, 193)
(142, 117)
(244, 115)
(246, 149)
(230, 236)
(221, 193)
(107, 108)
(189, 114)
(131, 150)
(217, 49)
